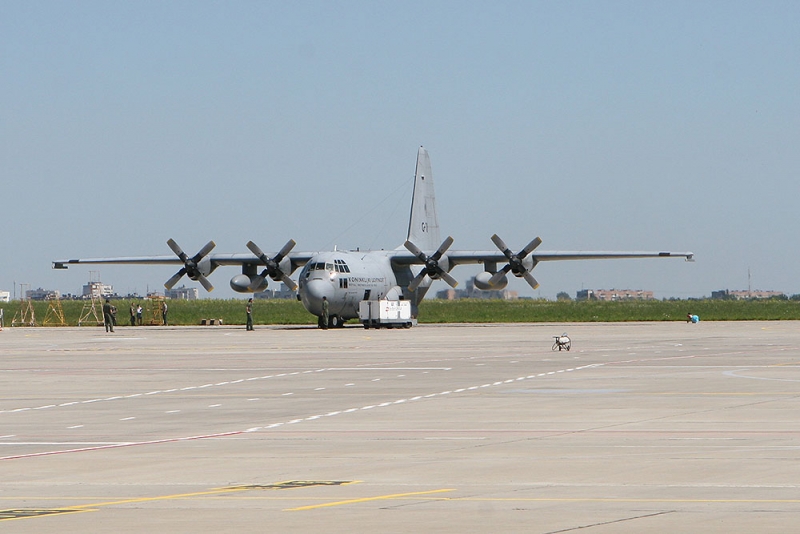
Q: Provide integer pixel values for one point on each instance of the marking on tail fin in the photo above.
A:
(423, 226)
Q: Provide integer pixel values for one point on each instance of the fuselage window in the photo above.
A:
(328, 267)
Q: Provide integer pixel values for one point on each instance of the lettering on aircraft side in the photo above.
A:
(365, 280)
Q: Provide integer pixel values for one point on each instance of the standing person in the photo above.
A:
(324, 313)
(139, 314)
(249, 309)
(133, 314)
(164, 312)
(108, 319)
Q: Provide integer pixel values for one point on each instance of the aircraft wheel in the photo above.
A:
(334, 321)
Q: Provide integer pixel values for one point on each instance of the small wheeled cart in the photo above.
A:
(562, 342)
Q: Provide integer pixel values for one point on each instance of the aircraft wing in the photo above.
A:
(197, 267)
(439, 264)
(476, 256)
(465, 257)
(298, 260)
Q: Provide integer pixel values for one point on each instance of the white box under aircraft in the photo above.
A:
(389, 313)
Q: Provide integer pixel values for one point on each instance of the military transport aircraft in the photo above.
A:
(347, 277)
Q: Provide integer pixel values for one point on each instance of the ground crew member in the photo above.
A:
(324, 313)
(133, 314)
(139, 315)
(164, 312)
(249, 309)
(108, 319)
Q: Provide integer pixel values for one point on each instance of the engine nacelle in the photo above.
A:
(482, 282)
(243, 283)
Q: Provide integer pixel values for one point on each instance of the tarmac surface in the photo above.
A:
(641, 427)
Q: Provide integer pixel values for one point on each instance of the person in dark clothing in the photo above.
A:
(249, 309)
(324, 313)
(108, 317)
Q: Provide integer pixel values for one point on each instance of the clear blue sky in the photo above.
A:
(595, 125)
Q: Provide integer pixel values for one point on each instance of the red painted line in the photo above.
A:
(120, 445)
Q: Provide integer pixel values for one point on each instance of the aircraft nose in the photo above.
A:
(316, 289)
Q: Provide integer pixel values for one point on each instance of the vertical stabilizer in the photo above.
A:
(423, 227)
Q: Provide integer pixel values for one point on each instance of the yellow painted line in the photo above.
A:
(367, 499)
(93, 506)
(289, 484)
(158, 498)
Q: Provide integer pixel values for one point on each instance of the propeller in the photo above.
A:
(273, 269)
(190, 265)
(515, 264)
(431, 268)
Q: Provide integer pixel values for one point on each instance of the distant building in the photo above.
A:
(614, 294)
(97, 290)
(726, 294)
(471, 292)
(42, 294)
(283, 293)
(182, 293)
(5, 296)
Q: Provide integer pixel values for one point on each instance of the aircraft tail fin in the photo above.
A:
(423, 226)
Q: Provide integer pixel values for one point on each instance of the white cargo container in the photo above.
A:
(388, 313)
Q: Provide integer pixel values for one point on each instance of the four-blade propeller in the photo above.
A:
(273, 269)
(515, 263)
(432, 269)
(190, 265)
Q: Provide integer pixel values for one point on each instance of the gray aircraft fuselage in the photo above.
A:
(346, 278)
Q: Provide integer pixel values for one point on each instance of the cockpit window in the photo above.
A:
(338, 266)
(341, 266)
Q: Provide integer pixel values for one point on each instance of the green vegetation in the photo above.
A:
(183, 312)
(481, 311)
